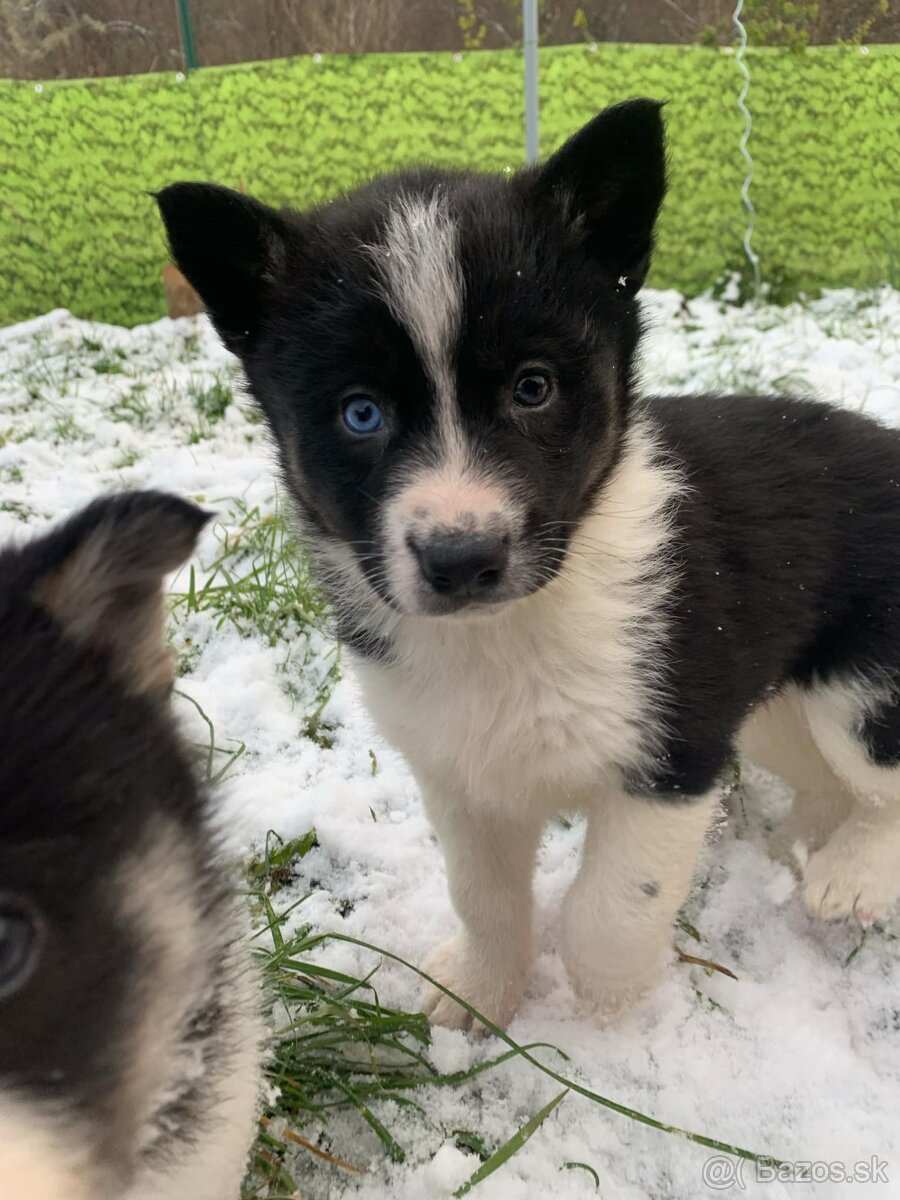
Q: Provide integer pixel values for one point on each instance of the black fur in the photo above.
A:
(788, 550)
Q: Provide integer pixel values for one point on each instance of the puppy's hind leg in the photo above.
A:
(777, 737)
(857, 872)
(638, 861)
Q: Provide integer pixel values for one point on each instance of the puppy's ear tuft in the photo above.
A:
(230, 247)
(608, 182)
(101, 580)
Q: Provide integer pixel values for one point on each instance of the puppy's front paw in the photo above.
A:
(608, 998)
(609, 975)
(851, 878)
(495, 994)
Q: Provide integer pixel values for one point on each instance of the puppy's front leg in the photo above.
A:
(490, 863)
(638, 862)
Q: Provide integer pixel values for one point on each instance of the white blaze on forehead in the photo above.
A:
(446, 490)
(424, 289)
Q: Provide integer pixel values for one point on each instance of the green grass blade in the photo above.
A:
(505, 1152)
(580, 1166)
(395, 1151)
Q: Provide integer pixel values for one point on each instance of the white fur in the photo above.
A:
(511, 717)
(846, 811)
(46, 1158)
(836, 713)
(777, 736)
(161, 897)
(490, 862)
(424, 288)
(636, 871)
(213, 1168)
(159, 900)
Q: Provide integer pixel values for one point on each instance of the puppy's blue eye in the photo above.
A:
(362, 415)
(532, 389)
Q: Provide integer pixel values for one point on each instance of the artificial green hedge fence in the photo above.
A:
(77, 228)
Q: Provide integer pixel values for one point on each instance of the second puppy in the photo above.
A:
(130, 1034)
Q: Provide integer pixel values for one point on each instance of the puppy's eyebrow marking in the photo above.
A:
(651, 888)
(423, 286)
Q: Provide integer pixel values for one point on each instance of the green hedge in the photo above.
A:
(76, 158)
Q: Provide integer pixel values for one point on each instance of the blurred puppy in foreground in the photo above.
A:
(129, 1027)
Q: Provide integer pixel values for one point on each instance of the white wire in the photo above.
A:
(752, 256)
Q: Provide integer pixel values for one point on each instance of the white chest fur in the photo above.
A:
(536, 703)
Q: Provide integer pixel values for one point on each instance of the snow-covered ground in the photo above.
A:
(799, 1057)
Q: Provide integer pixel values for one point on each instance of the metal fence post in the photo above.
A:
(530, 40)
(186, 28)
(752, 256)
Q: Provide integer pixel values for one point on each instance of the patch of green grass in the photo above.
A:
(135, 408)
(259, 580)
(212, 401)
(277, 867)
(261, 583)
(108, 364)
(16, 436)
(337, 1048)
(125, 460)
(65, 429)
(214, 772)
(779, 287)
(17, 509)
(11, 474)
(47, 369)
(315, 726)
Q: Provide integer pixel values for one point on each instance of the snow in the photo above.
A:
(798, 1058)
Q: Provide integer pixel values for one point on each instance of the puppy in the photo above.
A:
(558, 593)
(129, 1031)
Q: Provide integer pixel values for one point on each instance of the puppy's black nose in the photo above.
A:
(463, 564)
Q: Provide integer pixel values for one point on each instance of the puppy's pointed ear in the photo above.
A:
(608, 182)
(230, 248)
(99, 578)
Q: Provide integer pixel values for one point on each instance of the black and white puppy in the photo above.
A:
(561, 594)
(130, 1037)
